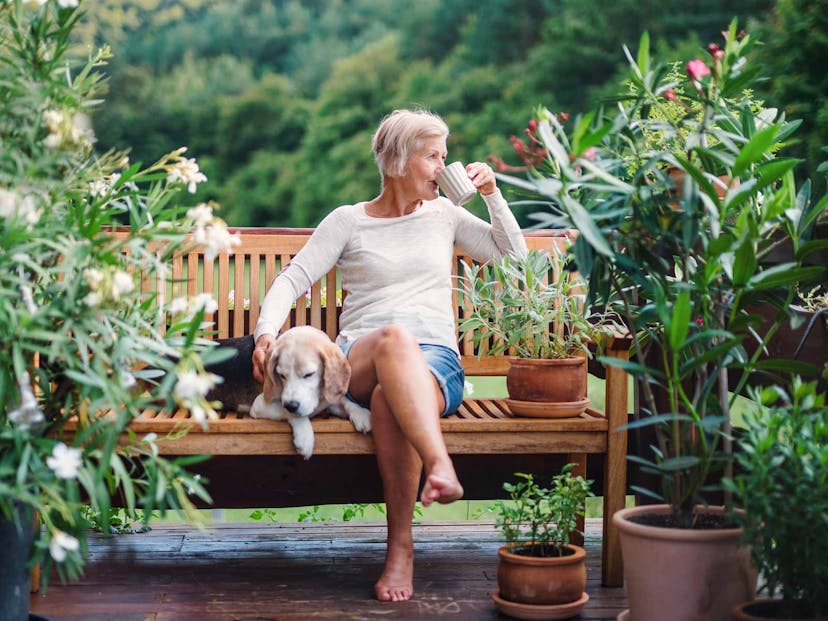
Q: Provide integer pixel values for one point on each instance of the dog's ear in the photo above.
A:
(337, 373)
(272, 389)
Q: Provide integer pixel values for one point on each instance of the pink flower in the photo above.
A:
(696, 69)
(670, 95)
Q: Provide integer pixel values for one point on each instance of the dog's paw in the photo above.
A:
(360, 416)
(303, 437)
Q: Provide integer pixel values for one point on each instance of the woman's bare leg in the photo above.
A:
(388, 366)
(391, 358)
(399, 467)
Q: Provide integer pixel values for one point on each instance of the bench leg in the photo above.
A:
(615, 475)
(579, 459)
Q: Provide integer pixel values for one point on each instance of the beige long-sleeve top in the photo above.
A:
(395, 271)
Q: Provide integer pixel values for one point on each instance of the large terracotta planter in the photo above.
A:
(539, 580)
(682, 574)
(547, 388)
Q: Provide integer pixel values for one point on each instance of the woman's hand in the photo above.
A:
(263, 344)
(483, 177)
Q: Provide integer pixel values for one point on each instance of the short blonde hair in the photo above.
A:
(400, 135)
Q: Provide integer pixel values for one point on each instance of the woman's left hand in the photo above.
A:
(483, 177)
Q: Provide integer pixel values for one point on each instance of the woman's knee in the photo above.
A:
(395, 340)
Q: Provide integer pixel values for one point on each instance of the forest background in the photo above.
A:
(278, 99)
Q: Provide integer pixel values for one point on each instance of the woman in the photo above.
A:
(395, 254)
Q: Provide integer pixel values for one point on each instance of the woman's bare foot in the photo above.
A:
(443, 489)
(396, 584)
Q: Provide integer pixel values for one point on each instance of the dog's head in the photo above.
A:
(305, 371)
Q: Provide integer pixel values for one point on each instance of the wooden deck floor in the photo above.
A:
(293, 572)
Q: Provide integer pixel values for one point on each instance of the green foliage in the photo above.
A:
(542, 519)
(684, 266)
(77, 332)
(482, 65)
(780, 486)
(532, 305)
(796, 39)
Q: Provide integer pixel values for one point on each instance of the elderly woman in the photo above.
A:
(395, 255)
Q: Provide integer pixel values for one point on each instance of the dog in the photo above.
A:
(305, 373)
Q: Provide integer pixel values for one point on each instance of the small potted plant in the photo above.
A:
(533, 307)
(780, 485)
(538, 568)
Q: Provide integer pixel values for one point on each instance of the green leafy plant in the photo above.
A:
(78, 331)
(780, 486)
(532, 305)
(538, 521)
(684, 266)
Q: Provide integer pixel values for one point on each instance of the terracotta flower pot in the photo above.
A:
(547, 388)
(682, 574)
(540, 580)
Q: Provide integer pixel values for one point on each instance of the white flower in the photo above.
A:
(62, 543)
(94, 278)
(121, 283)
(52, 141)
(67, 4)
(201, 214)
(21, 257)
(102, 187)
(64, 461)
(179, 305)
(53, 119)
(92, 299)
(468, 387)
(205, 301)
(216, 239)
(28, 413)
(12, 205)
(186, 171)
(191, 385)
(8, 203)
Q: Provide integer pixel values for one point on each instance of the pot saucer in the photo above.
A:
(624, 615)
(541, 409)
(539, 612)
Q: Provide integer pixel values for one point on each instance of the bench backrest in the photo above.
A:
(238, 283)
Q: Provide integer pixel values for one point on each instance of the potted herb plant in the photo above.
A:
(539, 570)
(533, 307)
(684, 271)
(77, 327)
(780, 485)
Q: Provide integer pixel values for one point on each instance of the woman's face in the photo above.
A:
(424, 166)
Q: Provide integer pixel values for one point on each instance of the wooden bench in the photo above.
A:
(261, 454)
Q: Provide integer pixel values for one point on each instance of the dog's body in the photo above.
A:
(305, 374)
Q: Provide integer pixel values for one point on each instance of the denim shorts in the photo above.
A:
(444, 365)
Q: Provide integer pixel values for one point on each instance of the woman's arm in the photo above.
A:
(483, 240)
(312, 262)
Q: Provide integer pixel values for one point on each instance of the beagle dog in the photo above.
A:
(305, 374)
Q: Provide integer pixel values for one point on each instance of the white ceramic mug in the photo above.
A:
(455, 183)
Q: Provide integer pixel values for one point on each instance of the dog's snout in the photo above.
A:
(291, 406)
